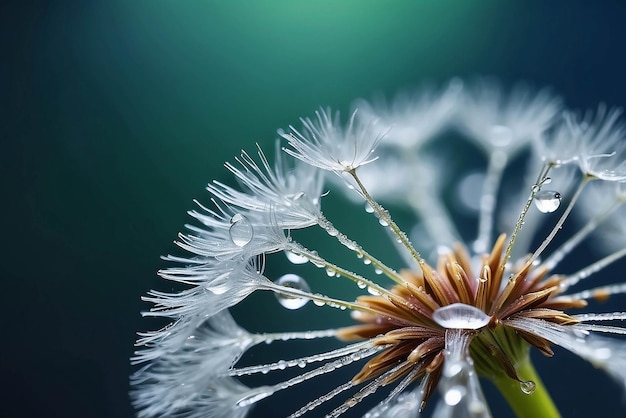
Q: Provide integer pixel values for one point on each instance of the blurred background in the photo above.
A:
(115, 115)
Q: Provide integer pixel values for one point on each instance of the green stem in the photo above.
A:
(537, 404)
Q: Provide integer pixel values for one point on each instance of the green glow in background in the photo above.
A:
(116, 114)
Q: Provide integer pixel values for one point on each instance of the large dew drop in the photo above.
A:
(295, 282)
(241, 231)
(461, 316)
(547, 201)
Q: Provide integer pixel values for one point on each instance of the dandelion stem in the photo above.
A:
(384, 215)
(572, 279)
(520, 221)
(537, 404)
(361, 253)
(336, 270)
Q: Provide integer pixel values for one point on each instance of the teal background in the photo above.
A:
(116, 114)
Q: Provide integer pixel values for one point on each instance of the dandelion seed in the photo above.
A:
(434, 324)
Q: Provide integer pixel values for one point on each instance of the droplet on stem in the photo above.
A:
(295, 282)
(528, 387)
(547, 201)
(240, 231)
(296, 258)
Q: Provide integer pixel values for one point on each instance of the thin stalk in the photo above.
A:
(386, 217)
(325, 224)
(334, 269)
(592, 268)
(520, 221)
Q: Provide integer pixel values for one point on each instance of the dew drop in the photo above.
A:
(546, 180)
(368, 208)
(253, 396)
(454, 395)
(547, 201)
(383, 222)
(361, 285)
(367, 261)
(319, 302)
(378, 271)
(318, 264)
(373, 291)
(296, 282)
(330, 272)
(240, 231)
(461, 316)
(296, 258)
(528, 387)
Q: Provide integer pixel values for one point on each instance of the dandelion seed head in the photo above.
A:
(458, 305)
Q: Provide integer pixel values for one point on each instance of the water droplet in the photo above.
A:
(253, 396)
(302, 364)
(378, 271)
(318, 264)
(383, 222)
(368, 208)
(547, 201)
(367, 261)
(296, 282)
(454, 395)
(296, 258)
(240, 231)
(332, 232)
(373, 291)
(528, 387)
(330, 272)
(319, 302)
(461, 316)
(546, 180)
(361, 285)
(282, 365)
(500, 135)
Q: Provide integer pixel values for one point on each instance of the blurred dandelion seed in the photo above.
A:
(472, 310)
